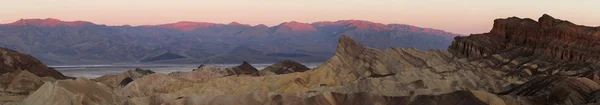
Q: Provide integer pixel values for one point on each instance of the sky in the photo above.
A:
(457, 16)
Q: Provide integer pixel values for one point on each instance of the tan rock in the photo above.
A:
(115, 81)
(81, 91)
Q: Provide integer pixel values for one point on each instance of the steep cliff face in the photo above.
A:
(548, 38)
(556, 59)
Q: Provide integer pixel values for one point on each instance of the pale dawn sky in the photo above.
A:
(458, 16)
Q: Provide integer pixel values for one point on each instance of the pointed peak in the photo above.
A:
(355, 21)
(348, 46)
(184, 22)
(262, 26)
(325, 23)
(293, 23)
(298, 26)
(50, 22)
(52, 19)
(245, 68)
(39, 19)
(237, 24)
(547, 20)
(245, 63)
(363, 24)
(546, 16)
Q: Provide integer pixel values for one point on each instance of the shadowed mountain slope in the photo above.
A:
(63, 42)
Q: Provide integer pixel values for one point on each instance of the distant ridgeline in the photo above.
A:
(75, 42)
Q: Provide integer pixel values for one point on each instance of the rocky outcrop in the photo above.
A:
(558, 90)
(548, 38)
(114, 81)
(206, 72)
(14, 61)
(22, 74)
(285, 67)
(80, 91)
(556, 59)
(243, 69)
(16, 86)
(125, 81)
(148, 85)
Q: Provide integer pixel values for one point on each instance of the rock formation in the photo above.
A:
(285, 67)
(520, 62)
(557, 60)
(22, 74)
(80, 91)
(548, 38)
(15, 86)
(15, 61)
(243, 69)
(114, 81)
(206, 72)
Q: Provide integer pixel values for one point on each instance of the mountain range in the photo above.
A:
(520, 61)
(55, 41)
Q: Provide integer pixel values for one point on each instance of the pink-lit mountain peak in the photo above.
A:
(283, 27)
(50, 22)
(362, 24)
(238, 24)
(297, 26)
(189, 23)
